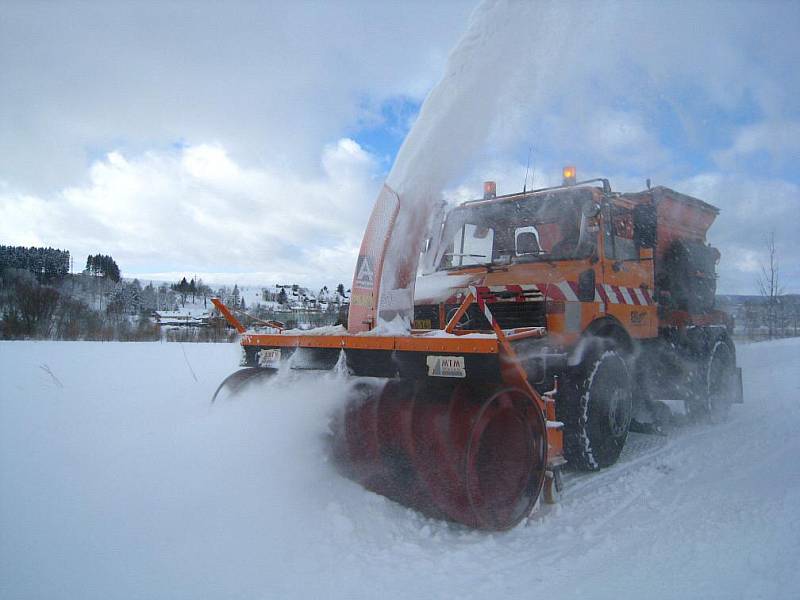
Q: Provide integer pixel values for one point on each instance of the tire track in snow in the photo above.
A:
(594, 502)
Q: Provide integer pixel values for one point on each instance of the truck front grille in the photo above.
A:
(509, 315)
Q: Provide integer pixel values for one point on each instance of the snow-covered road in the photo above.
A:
(119, 480)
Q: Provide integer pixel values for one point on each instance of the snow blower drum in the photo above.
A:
(471, 453)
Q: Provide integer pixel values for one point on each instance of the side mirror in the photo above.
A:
(480, 233)
(645, 226)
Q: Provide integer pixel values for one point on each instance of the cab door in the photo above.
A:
(628, 276)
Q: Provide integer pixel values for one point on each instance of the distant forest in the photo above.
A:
(41, 299)
(45, 264)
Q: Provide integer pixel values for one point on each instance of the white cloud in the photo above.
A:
(750, 209)
(623, 138)
(272, 82)
(779, 138)
(197, 210)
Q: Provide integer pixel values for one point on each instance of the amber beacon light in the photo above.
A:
(569, 175)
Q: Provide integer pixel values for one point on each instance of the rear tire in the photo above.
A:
(716, 383)
(596, 408)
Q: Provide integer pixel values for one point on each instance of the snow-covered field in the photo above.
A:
(118, 479)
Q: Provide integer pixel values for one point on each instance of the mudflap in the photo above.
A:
(738, 397)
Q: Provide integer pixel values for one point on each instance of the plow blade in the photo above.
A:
(472, 453)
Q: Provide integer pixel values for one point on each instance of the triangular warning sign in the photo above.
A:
(365, 274)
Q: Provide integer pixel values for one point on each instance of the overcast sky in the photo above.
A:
(247, 141)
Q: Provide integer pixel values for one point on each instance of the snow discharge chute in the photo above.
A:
(365, 294)
(383, 282)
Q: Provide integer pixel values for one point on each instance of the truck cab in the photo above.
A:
(561, 258)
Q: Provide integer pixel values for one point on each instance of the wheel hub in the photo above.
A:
(617, 415)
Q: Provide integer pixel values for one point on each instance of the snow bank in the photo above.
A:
(118, 479)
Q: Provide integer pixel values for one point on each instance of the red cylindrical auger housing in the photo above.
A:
(470, 453)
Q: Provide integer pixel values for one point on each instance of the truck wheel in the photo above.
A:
(716, 383)
(596, 409)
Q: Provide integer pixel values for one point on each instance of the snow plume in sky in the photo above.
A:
(505, 49)
(612, 81)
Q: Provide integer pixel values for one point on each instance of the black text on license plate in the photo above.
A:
(446, 366)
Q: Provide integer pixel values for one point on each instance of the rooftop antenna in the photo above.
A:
(527, 168)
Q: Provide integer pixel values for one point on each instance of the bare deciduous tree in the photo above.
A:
(769, 283)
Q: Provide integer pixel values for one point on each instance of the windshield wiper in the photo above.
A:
(462, 255)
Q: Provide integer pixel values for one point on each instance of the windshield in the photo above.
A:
(548, 226)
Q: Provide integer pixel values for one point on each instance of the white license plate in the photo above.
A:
(446, 366)
(269, 356)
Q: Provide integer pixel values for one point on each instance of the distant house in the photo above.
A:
(170, 317)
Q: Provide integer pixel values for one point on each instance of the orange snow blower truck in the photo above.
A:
(544, 324)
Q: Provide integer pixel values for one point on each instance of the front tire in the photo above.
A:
(596, 409)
